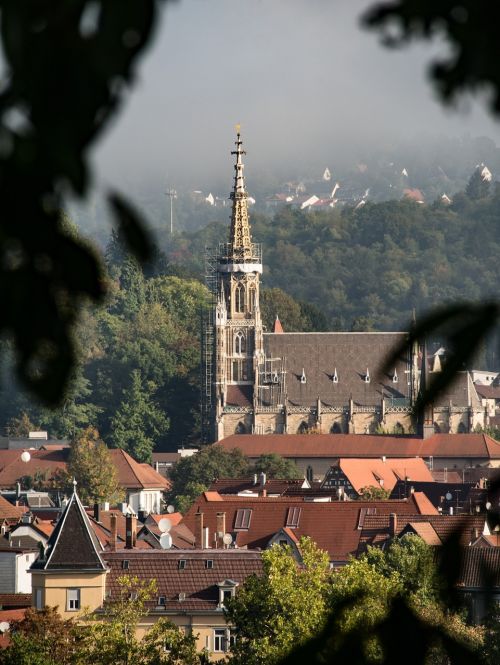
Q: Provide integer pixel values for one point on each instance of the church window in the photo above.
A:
(236, 370)
(336, 429)
(398, 428)
(303, 428)
(239, 298)
(239, 343)
(462, 429)
(437, 429)
(251, 298)
(309, 474)
(240, 428)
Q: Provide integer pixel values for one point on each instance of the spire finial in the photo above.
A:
(239, 237)
(74, 485)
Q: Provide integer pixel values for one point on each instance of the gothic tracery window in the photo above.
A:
(239, 343)
(239, 298)
(251, 298)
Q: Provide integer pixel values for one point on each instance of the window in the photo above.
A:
(251, 298)
(227, 594)
(209, 563)
(243, 518)
(72, 600)
(239, 343)
(283, 543)
(125, 564)
(239, 298)
(39, 599)
(310, 474)
(219, 640)
(161, 601)
(293, 517)
(182, 564)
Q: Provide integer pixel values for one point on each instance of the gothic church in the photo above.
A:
(261, 382)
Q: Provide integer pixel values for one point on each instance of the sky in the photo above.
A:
(308, 85)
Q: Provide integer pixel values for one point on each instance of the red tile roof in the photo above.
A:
(133, 475)
(479, 567)
(8, 616)
(379, 473)
(334, 526)
(277, 327)
(196, 580)
(10, 512)
(15, 600)
(364, 445)
(272, 485)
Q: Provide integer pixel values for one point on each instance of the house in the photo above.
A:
(259, 485)
(352, 475)
(451, 497)
(259, 522)
(14, 565)
(165, 462)
(314, 454)
(142, 485)
(75, 573)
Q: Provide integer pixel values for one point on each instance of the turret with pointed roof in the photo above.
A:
(72, 545)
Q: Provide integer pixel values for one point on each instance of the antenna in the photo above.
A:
(166, 541)
(172, 194)
(164, 525)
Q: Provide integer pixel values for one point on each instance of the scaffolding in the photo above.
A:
(271, 385)
(208, 347)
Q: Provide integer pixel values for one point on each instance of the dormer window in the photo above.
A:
(162, 601)
(293, 517)
(182, 564)
(367, 376)
(303, 376)
(227, 591)
(395, 376)
(335, 377)
(209, 564)
(243, 518)
(125, 564)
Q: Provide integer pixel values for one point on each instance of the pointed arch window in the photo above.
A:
(239, 298)
(240, 344)
(251, 298)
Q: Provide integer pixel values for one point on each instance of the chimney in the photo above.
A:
(263, 493)
(97, 512)
(114, 532)
(220, 528)
(206, 536)
(130, 532)
(198, 530)
(393, 524)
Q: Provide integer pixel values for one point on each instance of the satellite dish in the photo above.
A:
(488, 505)
(227, 539)
(449, 496)
(164, 524)
(25, 457)
(166, 541)
(170, 509)
(4, 626)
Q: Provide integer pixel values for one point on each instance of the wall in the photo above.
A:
(8, 572)
(91, 587)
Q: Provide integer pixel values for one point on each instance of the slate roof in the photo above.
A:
(297, 446)
(467, 494)
(196, 580)
(334, 526)
(488, 392)
(460, 392)
(239, 395)
(14, 600)
(351, 354)
(73, 544)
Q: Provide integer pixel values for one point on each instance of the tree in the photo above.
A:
(42, 638)
(20, 427)
(193, 475)
(139, 422)
(478, 186)
(281, 609)
(91, 465)
(275, 466)
(112, 636)
(373, 493)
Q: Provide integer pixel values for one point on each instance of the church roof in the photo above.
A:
(336, 366)
(73, 544)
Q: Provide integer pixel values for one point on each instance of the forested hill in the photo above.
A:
(366, 269)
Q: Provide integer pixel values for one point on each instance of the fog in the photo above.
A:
(309, 86)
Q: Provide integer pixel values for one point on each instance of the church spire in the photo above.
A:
(239, 236)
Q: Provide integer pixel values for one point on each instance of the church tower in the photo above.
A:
(237, 326)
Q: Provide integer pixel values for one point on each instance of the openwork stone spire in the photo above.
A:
(239, 237)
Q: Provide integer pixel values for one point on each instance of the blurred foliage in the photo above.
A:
(68, 66)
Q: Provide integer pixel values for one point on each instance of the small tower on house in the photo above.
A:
(234, 326)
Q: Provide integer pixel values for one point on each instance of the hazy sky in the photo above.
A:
(304, 80)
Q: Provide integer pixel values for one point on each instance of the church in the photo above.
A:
(276, 382)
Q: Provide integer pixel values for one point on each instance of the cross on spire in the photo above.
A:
(239, 236)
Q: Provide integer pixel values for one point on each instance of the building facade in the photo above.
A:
(263, 382)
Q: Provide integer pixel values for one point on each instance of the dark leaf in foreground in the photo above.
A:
(461, 328)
